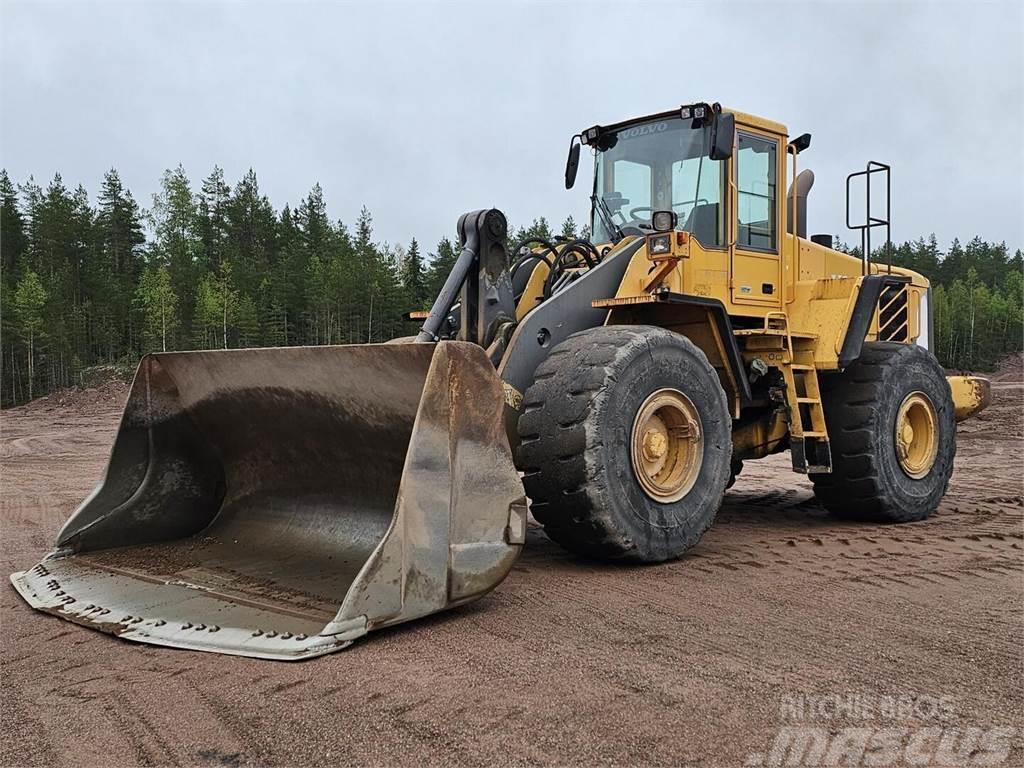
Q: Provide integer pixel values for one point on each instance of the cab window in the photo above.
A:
(632, 182)
(656, 166)
(756, 172)
(697, 197)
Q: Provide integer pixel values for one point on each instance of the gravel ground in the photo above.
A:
(696, 662)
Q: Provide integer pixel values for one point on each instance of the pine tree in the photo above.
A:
(120, 226)
(13, 241)
(539, 228)
(413, 276)
(286, 283)
(313, 262)
(387, 297)
(176, 224)
(441, 264)
(569, 228)
(120, 237)
(13, 253)
(213, 204)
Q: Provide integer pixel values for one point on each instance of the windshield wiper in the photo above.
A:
(606, 217)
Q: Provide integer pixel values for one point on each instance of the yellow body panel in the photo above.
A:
(534, 291)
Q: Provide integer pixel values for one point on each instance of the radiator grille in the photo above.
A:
(893, 313)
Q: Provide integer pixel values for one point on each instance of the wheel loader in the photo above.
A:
(280, 503)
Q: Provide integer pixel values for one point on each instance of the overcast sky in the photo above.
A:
(423, 111)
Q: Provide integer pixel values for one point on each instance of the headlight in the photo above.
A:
(659, 245)
(663, 221)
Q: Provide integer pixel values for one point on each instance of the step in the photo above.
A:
(796, 335)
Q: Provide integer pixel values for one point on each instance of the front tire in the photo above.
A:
(892, 431)
(625, 443)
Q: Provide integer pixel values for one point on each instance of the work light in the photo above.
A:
(659, 245)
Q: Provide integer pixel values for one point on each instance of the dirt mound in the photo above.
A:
(1010, 369)
(80, 400)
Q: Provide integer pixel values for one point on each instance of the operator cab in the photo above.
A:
(677, 162)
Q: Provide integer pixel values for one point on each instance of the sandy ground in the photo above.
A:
(696, 662)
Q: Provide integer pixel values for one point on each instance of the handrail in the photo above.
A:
(871, 222)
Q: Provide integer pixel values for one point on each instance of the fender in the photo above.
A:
(863, 311)
(666, 309)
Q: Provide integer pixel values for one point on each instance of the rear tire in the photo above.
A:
(578, 433)
(870, 479)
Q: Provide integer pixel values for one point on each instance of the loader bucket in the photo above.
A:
(280, 503)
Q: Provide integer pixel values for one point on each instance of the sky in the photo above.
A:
(422, 111)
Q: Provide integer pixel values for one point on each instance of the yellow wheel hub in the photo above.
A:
(917, 435)
(667, 446)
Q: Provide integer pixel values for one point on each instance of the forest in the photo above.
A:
(86, 284)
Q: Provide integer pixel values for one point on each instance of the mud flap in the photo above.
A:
(280, 503)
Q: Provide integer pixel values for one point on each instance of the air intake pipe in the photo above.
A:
(804, 182)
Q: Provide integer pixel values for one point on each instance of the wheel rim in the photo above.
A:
(667, 446)
(917, 435)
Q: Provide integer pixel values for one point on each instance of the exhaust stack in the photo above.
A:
(803, 183)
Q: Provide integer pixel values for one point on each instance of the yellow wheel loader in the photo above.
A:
(280, 503)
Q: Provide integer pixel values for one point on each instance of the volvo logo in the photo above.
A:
(643, 130)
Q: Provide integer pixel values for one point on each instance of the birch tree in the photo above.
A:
(29, 303)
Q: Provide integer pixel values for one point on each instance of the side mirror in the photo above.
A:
(801, 142)
(723, 129)
(572, 164)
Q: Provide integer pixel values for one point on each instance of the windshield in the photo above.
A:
(658, 166)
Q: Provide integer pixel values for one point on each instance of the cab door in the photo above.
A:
(756, 277)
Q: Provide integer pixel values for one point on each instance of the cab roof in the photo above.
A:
(753, 121)
(742, 118)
